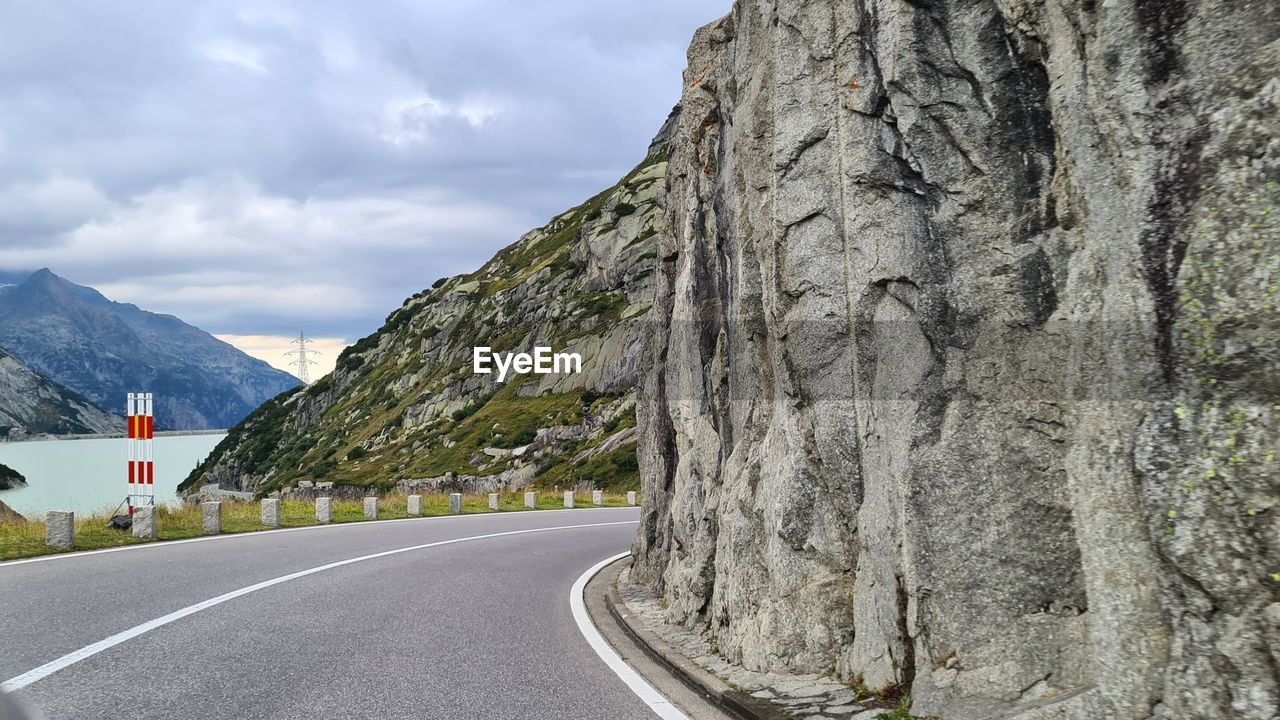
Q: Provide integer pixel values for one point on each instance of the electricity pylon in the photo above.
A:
(303, 362)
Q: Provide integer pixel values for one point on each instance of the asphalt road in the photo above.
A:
(473, 629)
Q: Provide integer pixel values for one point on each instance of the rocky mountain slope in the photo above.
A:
(34, 405)
(404, 407)
(104, 350)
(964, 377)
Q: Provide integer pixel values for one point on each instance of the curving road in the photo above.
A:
(468, 627)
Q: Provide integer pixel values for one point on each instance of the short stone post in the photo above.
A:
(371, 508)
(324, 509)
(493, 501)
(597, 497)
(271, 512)
(455, 502)
(60, 529)
(211, 517)
(631, 497)
(144, 522)
(531, 500)
(568, 498)
(415, 504)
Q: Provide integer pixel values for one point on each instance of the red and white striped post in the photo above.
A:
(142, 468)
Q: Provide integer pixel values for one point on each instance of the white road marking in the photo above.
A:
(49, 668)
(260, 533)
(661, 706)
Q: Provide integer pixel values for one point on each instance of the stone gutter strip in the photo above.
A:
(745, 693)
(736, 702)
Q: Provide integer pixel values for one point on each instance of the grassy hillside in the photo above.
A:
(404, 403)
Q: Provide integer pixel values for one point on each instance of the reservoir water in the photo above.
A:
(90, 476)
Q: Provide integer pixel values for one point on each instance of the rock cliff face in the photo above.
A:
(35, 405)
(965, 369)
(403, 409)
(10, 479)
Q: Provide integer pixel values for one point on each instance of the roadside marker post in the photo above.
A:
(139, 433)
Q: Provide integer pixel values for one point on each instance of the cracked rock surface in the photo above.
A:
(810, 696)
(966, 338)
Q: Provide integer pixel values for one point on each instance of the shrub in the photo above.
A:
(320, 386)
(562, 262)
(524, 436)
(471, 408)
(323, 468)
(627, 463)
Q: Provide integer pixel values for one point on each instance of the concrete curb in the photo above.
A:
(699, 679)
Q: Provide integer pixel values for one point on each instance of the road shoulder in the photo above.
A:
(697, 701)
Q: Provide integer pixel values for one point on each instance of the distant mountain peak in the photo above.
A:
(104, 349)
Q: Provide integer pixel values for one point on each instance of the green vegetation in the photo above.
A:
(471, 408)
(254, 439)
(901, 712)
(505, 420)
(403, 403)
(562, 262)
(605, 305)
(615, 471)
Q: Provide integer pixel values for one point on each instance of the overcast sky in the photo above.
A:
(261, 167)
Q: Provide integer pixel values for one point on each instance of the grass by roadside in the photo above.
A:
(23, 540)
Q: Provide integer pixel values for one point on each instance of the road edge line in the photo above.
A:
(731, 700)
(258, 533)
(657, 702)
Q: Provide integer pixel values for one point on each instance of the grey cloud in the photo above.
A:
(501, 113)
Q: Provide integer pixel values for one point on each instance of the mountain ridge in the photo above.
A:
(104, 349)
(33, 405)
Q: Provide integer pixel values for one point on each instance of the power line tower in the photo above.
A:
(302, 360)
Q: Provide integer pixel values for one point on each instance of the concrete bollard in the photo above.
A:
(324, 509)
(531, 500)
(493, 501)
(631, 497)
(211, 517)
(371, 508)
(144, 522)
(271, 512)
(568, 498)
(455, 502)
(597, 497)
(415, 504)
(60, 529)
